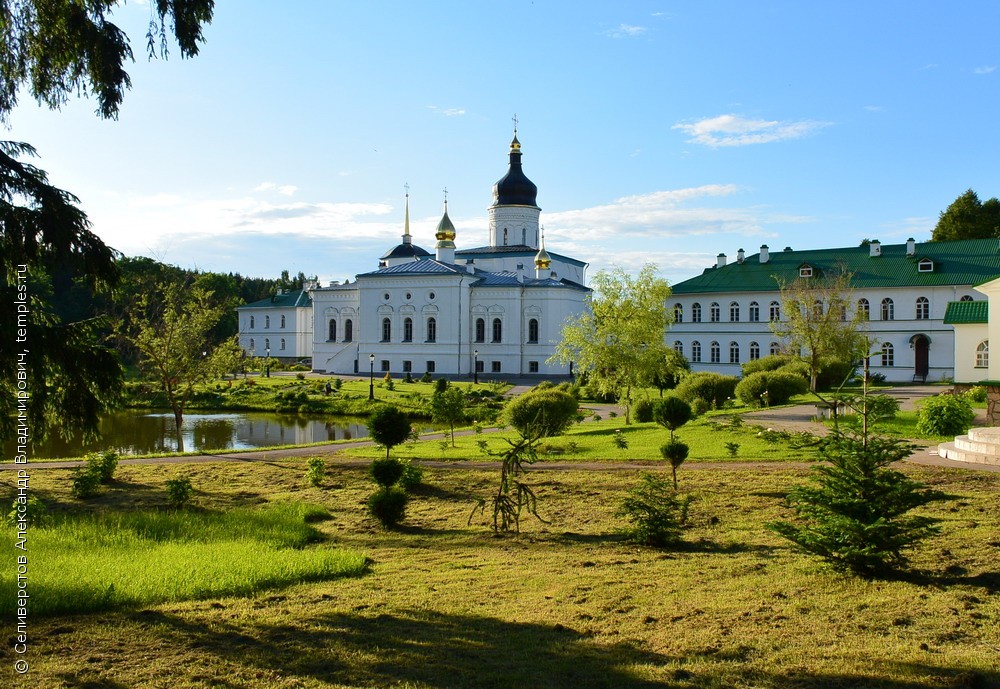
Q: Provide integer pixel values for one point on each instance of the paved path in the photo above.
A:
(794, 418)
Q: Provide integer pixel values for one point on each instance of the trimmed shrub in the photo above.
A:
(674, 452)
(714, 388)
(388, 506)
(768, 363)
(387, 472)
(643, 411)
(389, 427)
(541, 413)
(316, 471)
(179, 491)
(780, 385)
(945, 415)
(672, 413)
(655, 513)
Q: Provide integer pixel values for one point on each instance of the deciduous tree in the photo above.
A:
(968, 218)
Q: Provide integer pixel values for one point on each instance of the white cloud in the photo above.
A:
(283, 189)
(986, 69)
(874, 108)
(447, 112)
(733, 130)
(626, 31)
(287, 189)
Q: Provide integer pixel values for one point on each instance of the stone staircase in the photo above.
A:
(980, 446)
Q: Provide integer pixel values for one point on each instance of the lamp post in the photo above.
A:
(371, 377)
(475, 368)
(267, 362)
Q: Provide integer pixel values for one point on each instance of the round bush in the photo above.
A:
(542, 413)
(768, 363)
(388, 506)
(643, 411)
(672, 412)
(387, 471)
(714, 388)
(780, 385)
(750, 390)
(945, 415)
(674, 452)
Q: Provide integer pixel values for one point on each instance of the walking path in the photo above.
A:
(794, 418)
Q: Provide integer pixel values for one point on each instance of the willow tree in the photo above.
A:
(618, 341)
(821, 323)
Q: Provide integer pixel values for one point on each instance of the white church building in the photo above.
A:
(497, 309)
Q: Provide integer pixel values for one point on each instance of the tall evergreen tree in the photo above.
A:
(968, 218)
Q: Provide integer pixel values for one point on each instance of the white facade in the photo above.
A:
(280, 327)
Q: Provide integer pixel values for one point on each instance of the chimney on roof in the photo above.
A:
(740, 256)
(764, 256)
(911, 247)
(720, 261)
(874, 248)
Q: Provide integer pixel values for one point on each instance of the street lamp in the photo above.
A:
(475, 368)
(371, 377)
(267, 362)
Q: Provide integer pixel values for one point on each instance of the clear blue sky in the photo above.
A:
(655, 131)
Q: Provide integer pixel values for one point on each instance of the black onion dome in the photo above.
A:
(514, 189)
(406, 250)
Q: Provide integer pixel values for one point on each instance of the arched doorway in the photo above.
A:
(921, 350)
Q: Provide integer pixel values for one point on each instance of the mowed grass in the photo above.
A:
(86, 563)
(448, 605)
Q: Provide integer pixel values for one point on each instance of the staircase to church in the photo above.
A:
(980, 446)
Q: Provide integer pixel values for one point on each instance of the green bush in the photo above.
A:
(714, 388)
(179, 491)
(541, 413)
(780, 385)
(976, 394)
(34, 512)
(386, 471)
(619, 440)
(103, 464)
(316, 471)
(674, 452)
(388, 506)
(768, 363)
(672, 413)
(86, 483)
(413, 475)
(389, 427)
(945, 415)
(643, 411)
(655, 513)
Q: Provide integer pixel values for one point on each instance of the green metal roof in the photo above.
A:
(292, 298)
(963, 262)
(967, 312)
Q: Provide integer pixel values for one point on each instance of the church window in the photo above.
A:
(252, 322)
(754, 351)
(774, 312)
(678, 313)
(385, 365)
(965, 297)
(887, 309)
(532, 367)
(679, 347)
(480, 330)
(282, 343)
(923, 308)
(252, 346)
(983, 354)
(754, 312)
(407, 367)
(734, 353)
(713, 312)
(407, 330)
(282, 320)
(505, 236)
(431, 296)
(432, 330)
(715, 353)
(386, 296)
(332, 331)
(495, 366)
(408, 296)
(864, 309)
(497, 330)
(348, 330)
(696, 352)
(386, 330)
(734, 312)
(774, 349)
(267, 321)
(533, 331)
(696, 312)
(267, 345)
(430, 367)
(887, 354)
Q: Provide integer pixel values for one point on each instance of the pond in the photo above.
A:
(135, 431)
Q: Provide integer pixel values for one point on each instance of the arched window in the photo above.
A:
(282, 320)
(774, 349)
(407, 330)
(267, 321)
(696, 351)
(480, 330)
(253, 322)
(533, 331)
(864, 309)
(887, 309)
(386, 329)
(887, 355)
(713, 312)
(696, 312)
(332, 331)
(734, 353)
(923, 308)
(432, 330)
(982, 354)
(715, 353)
(282, 343)
(348, 330)
(497, 330)
(754, 314)
(774, 312)
(679, 347)
(267, 344)
(966, 297)
(818, 309)
(754, 351)
(252, 346)
(734, 312)
(678, 313)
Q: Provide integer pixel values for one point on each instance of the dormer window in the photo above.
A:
(805, 271)
(925, 265)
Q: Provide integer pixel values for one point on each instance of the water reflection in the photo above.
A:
(139, 432)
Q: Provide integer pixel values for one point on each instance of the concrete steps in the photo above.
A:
(980, 446)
